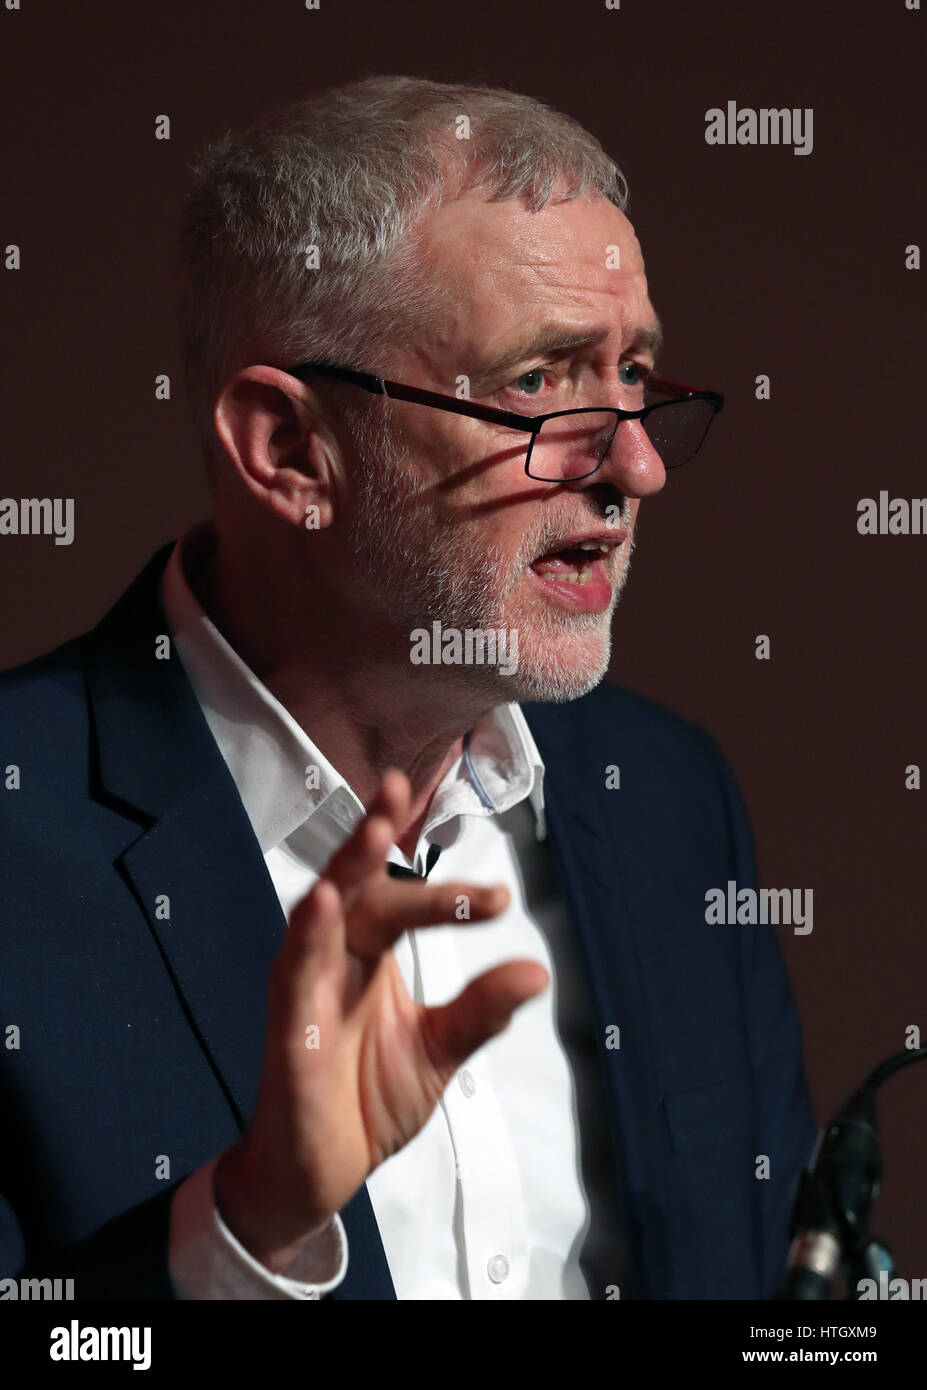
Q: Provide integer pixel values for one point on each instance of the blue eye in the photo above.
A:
(535, 372)
(531, 383)
(634, 367)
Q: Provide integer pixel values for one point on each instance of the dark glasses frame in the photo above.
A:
(529, 424)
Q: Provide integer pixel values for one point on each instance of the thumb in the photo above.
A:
(455, 1030)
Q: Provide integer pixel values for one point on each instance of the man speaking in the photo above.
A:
(354, 940)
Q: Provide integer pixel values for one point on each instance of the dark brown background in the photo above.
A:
(759, 261)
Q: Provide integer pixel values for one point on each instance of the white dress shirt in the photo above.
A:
(494, 1198)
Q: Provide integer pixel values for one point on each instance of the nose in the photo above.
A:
(631, 463)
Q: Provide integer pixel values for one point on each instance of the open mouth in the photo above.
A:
(577, 564)
(577, 575)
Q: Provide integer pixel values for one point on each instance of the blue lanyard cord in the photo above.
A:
(477, 784)
(399, 870)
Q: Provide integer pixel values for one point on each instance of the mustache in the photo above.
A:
(551, 531)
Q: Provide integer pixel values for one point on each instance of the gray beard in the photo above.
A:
(418, 571)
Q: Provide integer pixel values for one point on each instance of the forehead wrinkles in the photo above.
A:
(575, 270)
(592, 288)
(498, 267)
(595, 302)
(470, 234)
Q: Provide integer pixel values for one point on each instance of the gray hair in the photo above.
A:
(351, 172)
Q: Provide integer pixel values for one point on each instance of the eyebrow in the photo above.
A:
(551, 339)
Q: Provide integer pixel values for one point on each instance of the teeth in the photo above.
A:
(579, 577)
(592, 545)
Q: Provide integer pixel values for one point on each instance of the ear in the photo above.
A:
(283, 444)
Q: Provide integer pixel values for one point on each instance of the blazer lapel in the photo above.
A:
(607, 922)
(196, 867)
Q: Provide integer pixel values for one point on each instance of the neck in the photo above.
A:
(363, 706)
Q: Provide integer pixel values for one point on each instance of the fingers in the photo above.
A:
(385, 910)
(316, 927)
(364, 853)
(394, 798)
(314, 940)
(375, 910)
(455, 1030)
(362, 856)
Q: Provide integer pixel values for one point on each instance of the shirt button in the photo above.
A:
(466, 1083)
(498, 1269)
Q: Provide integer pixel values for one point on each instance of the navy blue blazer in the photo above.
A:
(128, 1039)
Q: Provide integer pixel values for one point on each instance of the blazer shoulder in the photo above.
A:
(45, 718)
(612, 715)
(45, 684)
(52, 683)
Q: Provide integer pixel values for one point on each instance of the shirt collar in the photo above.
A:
(281, 776)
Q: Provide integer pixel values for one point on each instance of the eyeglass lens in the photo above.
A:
(574, 445)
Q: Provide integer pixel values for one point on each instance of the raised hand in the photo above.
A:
(328, 1115)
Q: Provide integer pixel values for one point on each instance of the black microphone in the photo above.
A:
(834, 1200)
(830, 1218)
